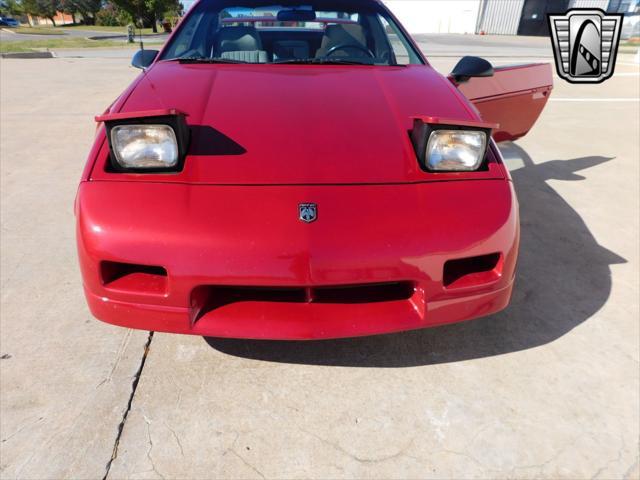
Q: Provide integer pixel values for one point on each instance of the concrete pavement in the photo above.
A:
(65, 379)
(549, 388)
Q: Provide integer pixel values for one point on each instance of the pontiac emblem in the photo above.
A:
(308, 212)
(585, 44)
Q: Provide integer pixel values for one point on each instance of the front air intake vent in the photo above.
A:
(208, 298)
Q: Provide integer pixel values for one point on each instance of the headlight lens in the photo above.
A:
(455, 150)
(144, 146)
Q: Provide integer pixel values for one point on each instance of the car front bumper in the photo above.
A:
(155, 256)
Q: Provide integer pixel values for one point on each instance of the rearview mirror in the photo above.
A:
(143, 58)
(469, 67)
(296, 16)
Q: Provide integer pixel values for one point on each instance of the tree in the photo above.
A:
(163, 8)
(42, 8)
(87, 8)
(112, 15)
(11, 7)
(148, 12)
(136, 8)
(70, 8)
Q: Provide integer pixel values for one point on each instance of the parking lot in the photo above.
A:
(548, 388)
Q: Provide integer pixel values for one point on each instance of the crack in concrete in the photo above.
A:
(119, 354)
(232, 450)
(614, 460)
(134, 386)
(153, 465)
(630, 471)
(243, 460)
(21, 428)
(359, 459)
(175, 437)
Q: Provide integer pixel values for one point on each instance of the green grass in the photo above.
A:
(39, 30)
(52, 44)
(103, 28)
(63, 30)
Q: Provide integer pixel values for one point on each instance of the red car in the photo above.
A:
(300, 171)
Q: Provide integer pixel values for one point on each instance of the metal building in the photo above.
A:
(525, 17)
(601, 4)
(499, 17)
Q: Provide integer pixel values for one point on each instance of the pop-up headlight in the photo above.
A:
(153, 141)
(144, 146)
(449, 145)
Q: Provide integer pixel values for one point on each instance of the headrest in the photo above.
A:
(233, 39)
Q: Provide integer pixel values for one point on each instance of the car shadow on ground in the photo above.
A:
(563, 278)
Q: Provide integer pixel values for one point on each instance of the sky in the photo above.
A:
(187, 4)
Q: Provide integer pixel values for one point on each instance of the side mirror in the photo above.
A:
(469, 67)
(143, 58)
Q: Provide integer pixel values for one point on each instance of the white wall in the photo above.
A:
(436, 16)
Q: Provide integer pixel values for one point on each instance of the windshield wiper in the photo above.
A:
(208, 60)
(302, 61)
(323, 61)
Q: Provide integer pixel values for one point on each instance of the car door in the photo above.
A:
(513, 97)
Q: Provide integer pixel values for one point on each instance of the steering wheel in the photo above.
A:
(345, 46)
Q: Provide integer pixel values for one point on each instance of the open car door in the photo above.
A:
(513, 97)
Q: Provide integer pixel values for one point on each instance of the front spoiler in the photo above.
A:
(251, 236)
(279, 321)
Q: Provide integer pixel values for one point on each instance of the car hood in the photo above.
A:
(298, 124)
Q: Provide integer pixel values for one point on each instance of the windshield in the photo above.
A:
(317, 32)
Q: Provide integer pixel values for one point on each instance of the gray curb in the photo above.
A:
(27, 55)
